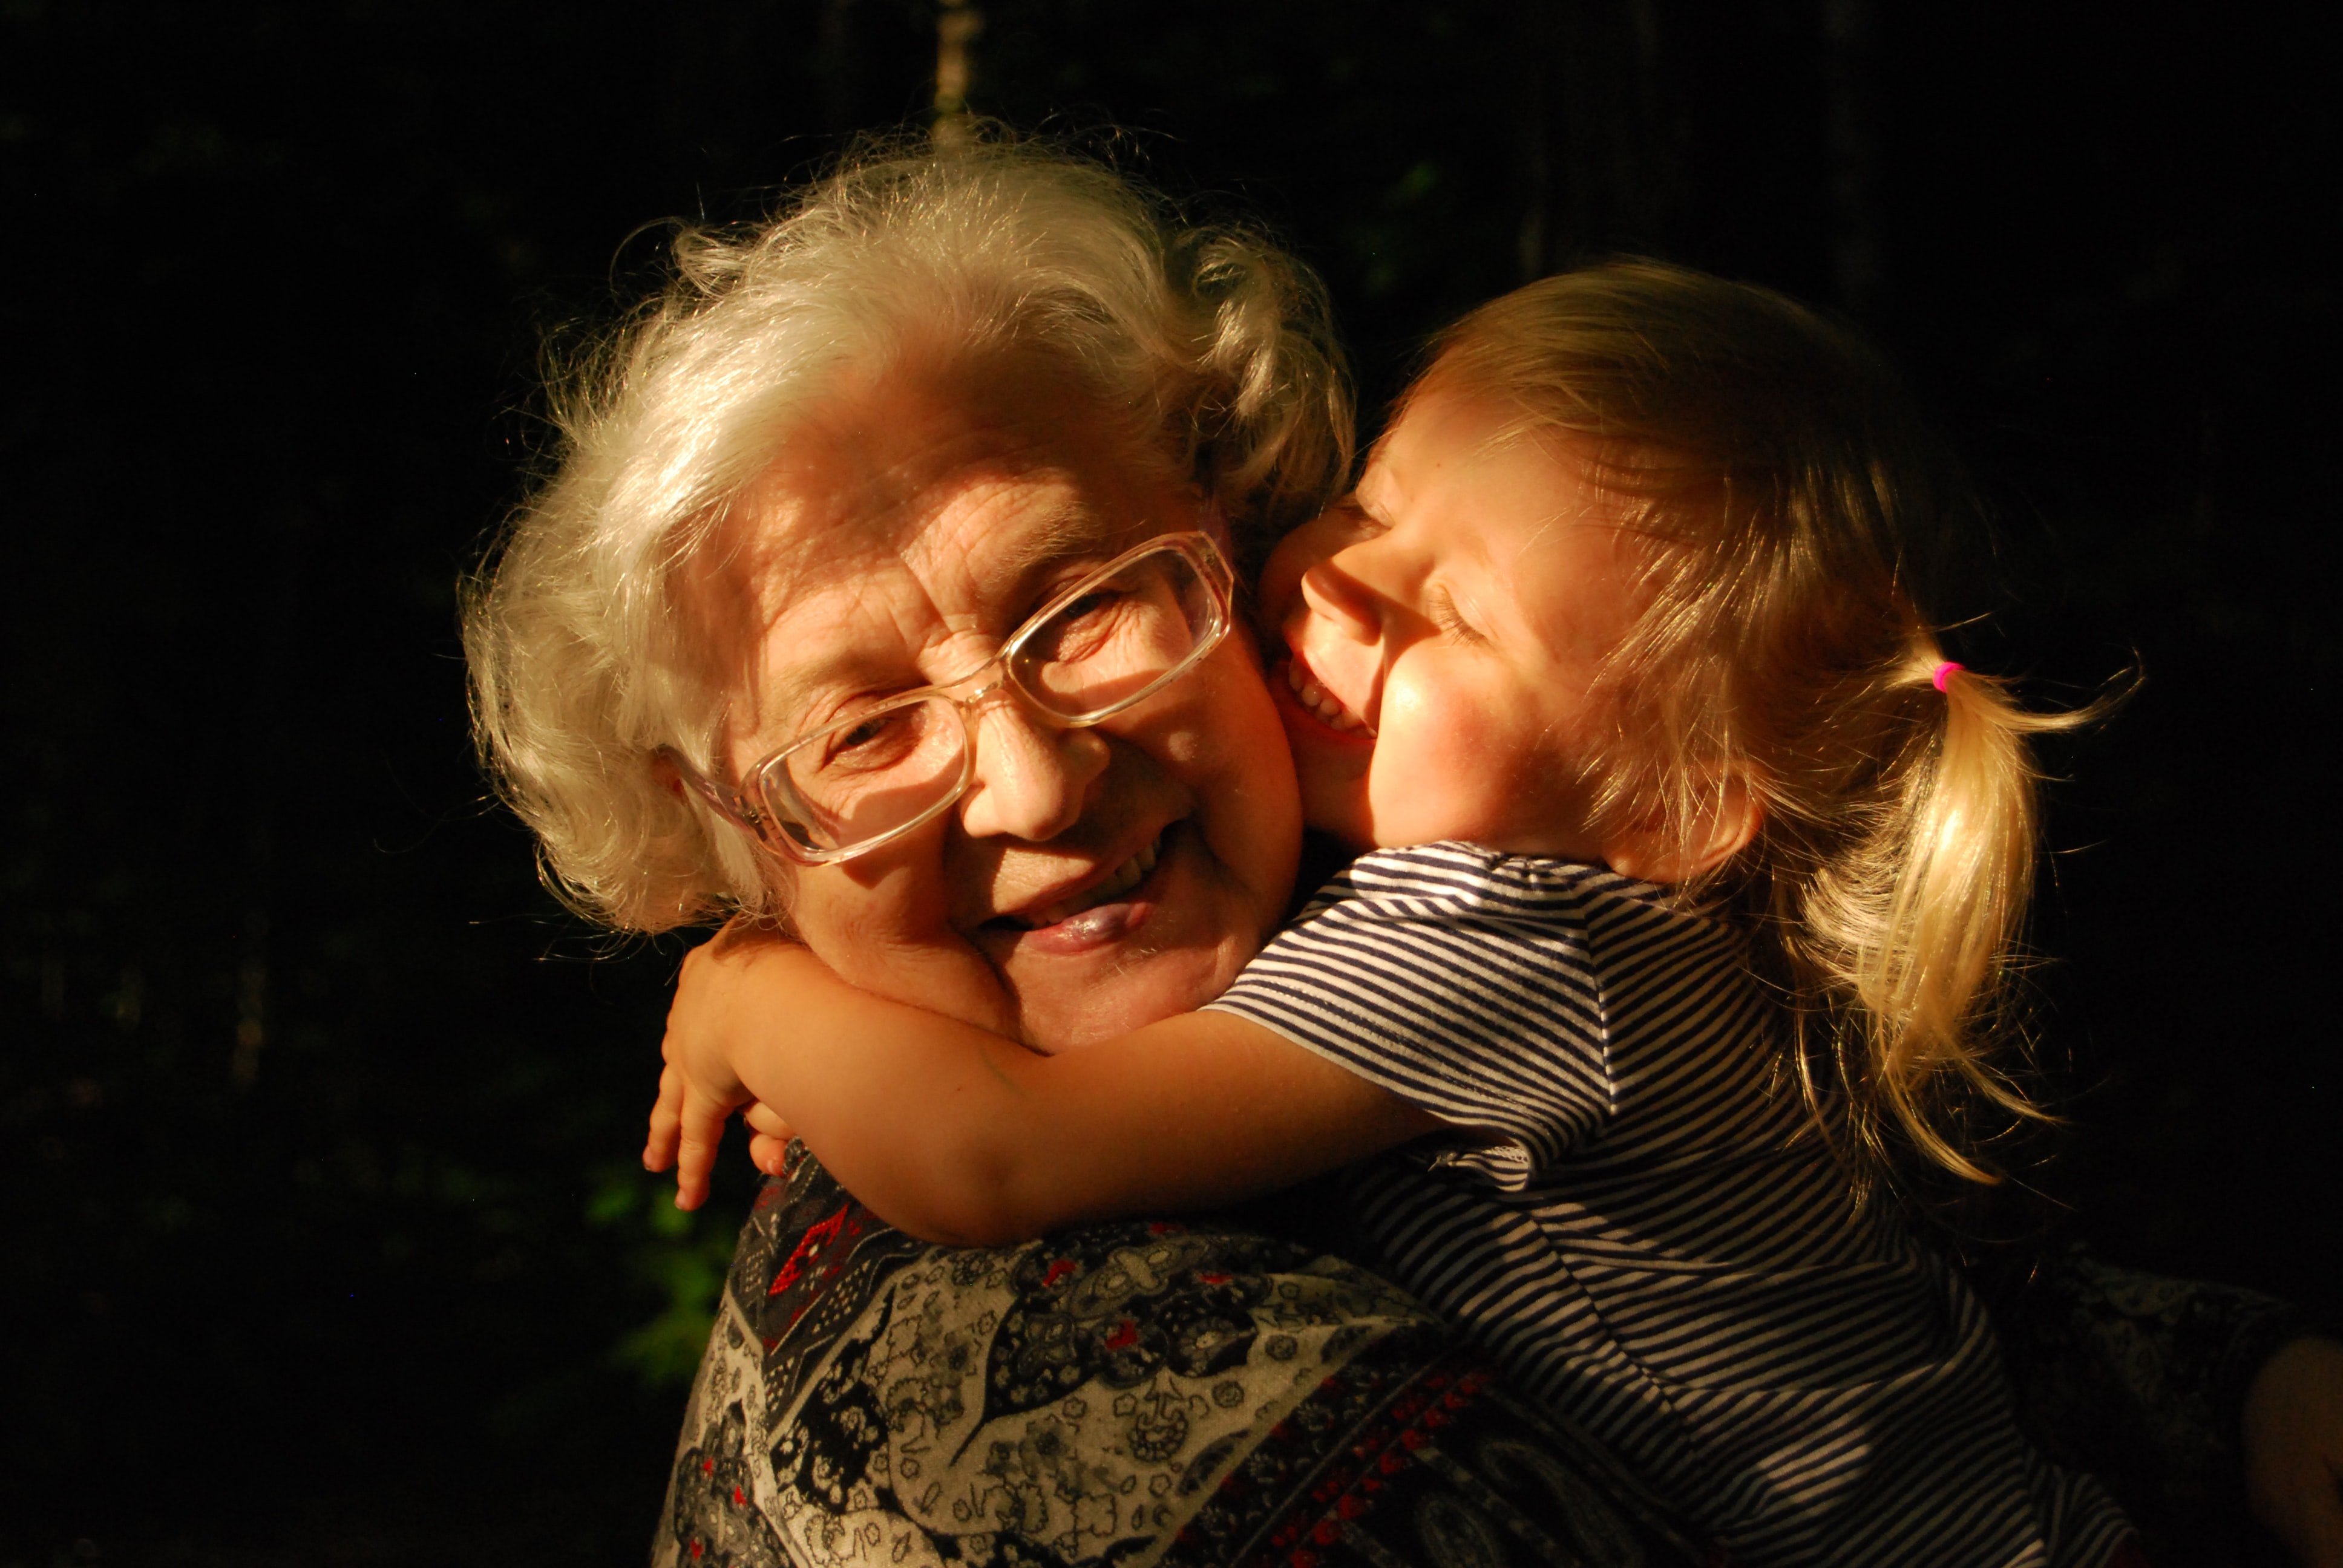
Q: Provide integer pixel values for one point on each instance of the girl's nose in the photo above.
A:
(1341, 600)
(1032, 778)
(1313, 544)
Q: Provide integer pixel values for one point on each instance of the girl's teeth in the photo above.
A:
(1319, 700)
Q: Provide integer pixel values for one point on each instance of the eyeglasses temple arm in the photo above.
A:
(724, 799)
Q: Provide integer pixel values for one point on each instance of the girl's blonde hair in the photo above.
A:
(1785, 491)
(1209, 346)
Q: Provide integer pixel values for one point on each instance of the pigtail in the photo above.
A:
(1908, 934)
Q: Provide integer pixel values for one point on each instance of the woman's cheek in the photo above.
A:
(1252, 805)
(883, 921)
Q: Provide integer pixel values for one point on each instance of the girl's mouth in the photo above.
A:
(1314, 700)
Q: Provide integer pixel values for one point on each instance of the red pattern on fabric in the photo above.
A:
(810, 1247)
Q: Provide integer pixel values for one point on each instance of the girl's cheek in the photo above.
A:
(1445, 767)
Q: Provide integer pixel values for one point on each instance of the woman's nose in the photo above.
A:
(1032, 778)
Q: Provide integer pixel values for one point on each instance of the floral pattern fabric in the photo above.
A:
(1131, 1393)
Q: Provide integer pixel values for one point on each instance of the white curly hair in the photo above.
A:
(1209, 340)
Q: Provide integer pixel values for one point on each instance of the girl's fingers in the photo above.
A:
(686, 1128)
(768, 1144)
(762, 1118)
(666, 1119)
(701, 1132)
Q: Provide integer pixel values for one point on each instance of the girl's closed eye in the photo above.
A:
(1441, 607)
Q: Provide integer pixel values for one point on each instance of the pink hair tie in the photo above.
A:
(1943, 673)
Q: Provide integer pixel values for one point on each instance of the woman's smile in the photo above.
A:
(1109, 909)
(1122, 879)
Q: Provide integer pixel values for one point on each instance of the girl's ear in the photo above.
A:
(1649, 853)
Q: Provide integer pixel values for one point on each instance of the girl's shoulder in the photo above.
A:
(1457, 881)
(1454, 871)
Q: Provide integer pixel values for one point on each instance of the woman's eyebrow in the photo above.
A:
(785, 704)
(1066, 532)
(1067, 536)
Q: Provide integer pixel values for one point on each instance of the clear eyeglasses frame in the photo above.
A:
(782, 800)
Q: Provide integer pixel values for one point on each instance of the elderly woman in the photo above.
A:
(871, 462)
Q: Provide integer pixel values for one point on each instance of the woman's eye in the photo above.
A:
(1081, 624)
(1093, 603)
(860, 745)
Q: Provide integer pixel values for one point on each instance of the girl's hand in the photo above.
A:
(2294, 1450)
(718, 1013)
(768, 1138)
(686, 1125)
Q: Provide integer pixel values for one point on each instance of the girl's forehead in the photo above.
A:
(1442, 427)
(1474, 462)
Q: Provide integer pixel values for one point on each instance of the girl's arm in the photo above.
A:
(958, 1135)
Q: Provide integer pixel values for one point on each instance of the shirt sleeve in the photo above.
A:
(1468, 995)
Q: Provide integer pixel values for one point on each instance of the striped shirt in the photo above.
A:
(1635, 1219)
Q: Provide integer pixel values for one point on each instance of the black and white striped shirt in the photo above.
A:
(1638, 1223)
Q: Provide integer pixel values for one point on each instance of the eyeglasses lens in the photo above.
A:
(872, 775)
(1120, 636)
(1100, 651)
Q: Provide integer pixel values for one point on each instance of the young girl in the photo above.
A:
(1718, 858)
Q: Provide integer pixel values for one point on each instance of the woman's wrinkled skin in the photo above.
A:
(894, 544)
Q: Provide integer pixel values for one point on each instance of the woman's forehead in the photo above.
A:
(930, 467)
(886, 551)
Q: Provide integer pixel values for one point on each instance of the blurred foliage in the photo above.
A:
(322, 1240)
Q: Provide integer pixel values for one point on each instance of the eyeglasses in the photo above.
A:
(1108, 643)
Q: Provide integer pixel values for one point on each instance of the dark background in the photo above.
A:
(322, 1239)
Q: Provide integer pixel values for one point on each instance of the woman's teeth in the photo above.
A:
(1127, 876)
(1314, 697)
